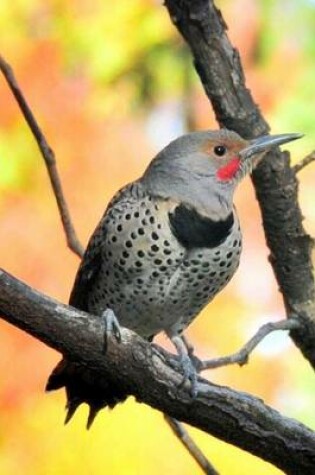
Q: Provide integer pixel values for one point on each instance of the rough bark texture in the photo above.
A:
(220, 70)
(146, 372)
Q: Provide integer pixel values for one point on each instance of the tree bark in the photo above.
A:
(145, 371)
(219, 67)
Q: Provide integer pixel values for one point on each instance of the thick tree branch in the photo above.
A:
(220, 70)
(145, 371)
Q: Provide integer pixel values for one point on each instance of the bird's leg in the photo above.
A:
(189, 346)
(198, 364)
(111, 325)
(188, 367)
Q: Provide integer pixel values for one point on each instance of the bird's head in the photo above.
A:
(202, 169)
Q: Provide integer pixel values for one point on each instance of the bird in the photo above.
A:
(166, 245)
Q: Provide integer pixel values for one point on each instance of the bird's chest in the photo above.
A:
(201, 275)
(150, 277)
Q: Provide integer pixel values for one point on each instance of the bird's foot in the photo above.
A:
(111, 325)
(197, 363)
(187, 364)
(189, 374)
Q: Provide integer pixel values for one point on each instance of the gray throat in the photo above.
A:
(194, 190)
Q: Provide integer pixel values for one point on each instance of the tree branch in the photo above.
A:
(303, 163)
(48, 156)
(241, 356)
(220, 70)
(190, 445)
(145, 371)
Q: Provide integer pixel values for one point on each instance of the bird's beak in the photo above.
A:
(266, 142)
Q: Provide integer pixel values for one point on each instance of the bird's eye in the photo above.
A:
(219, 150)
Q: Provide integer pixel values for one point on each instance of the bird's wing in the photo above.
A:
(88, 270)
(92, 260)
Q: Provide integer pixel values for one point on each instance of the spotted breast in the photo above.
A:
(157, 263)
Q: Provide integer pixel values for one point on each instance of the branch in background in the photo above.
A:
(241, 357)
(145, 371)
(303, 163)
(190, 445)
(219, 67)
(71, 236)
(48, 156)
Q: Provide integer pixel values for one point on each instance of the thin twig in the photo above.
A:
(48, 155)
(71, 236)
(190, 445)
(303, 163)
(241, 357)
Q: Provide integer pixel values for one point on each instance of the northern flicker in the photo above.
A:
(166, 245)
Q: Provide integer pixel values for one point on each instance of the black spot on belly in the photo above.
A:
(193, 230)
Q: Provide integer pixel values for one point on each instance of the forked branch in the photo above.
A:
(241, 356)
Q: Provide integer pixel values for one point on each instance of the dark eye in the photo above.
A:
(219, 150)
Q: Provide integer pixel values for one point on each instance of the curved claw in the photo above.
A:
(111, 325)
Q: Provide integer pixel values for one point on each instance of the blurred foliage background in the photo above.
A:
(110, 84)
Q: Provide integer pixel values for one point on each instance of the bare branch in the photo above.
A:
(303, 163)
(241, 357)
(48, 156)
(145, 371)
(190, 445)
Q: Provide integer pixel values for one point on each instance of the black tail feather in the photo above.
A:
(81, 387)
(92, 414)
(58, 377)
(71, 407)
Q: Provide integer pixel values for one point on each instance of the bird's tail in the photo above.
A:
(81, 387)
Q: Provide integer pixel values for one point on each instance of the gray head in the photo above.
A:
(202, 169)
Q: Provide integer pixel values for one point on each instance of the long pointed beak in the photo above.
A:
(266, 142)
